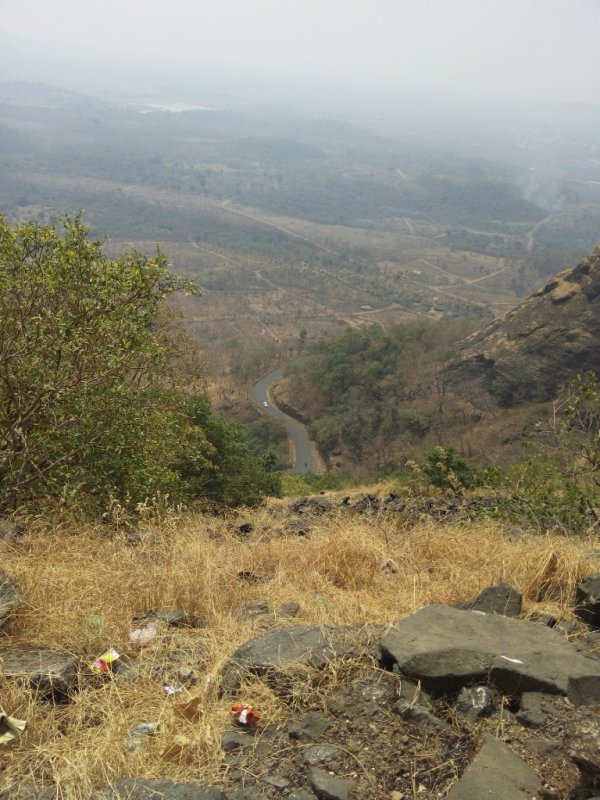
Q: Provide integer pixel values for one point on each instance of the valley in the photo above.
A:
(296, 229)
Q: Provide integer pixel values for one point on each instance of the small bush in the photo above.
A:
(445, 469)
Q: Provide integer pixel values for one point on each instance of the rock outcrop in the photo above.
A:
(528, 353)
(446, 648)
(10, 597)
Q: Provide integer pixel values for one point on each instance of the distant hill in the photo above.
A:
(528, 353)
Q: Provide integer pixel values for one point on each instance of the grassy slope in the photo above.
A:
(67, 574)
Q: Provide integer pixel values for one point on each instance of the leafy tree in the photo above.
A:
(92, 401)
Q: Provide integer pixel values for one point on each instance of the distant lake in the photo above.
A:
(175, 108)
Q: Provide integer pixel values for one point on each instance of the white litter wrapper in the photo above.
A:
(10, 728)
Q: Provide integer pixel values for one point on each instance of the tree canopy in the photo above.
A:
(92, 406)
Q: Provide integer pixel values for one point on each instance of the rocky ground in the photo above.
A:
(465, 700)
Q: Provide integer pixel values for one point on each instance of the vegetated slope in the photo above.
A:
(378, 396)
(375, 394)
(528, 353)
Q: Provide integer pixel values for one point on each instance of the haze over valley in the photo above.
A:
(323, 171)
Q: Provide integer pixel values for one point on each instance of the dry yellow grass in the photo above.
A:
(193, 563)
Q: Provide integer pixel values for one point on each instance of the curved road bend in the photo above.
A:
(305, 456)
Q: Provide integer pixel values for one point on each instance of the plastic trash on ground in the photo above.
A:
(245, 715)
(144, 635)
(10, 728)
(138, 735)
(173, 688)
(104, 663)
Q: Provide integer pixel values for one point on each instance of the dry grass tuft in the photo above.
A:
(68, 575)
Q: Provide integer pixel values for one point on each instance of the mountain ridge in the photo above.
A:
(527, 354)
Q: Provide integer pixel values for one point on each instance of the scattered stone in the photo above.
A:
(587, 600)
(288, 610)
(496, 773)
(316, 505)
(126, 673)
(246, 793)
(11, 530)
(413, 693)
(389, 566)
(310, 728)
(10, 597)
(446, 649)
(583, 738)
(274, 780)
(30, 793)
(362, 502)
(370, 696)
(138, 789)
(393, 502)
(50, 673)
(250, 576)
(172, 617)
(255, 608)
(531, 713)
(187, 675)
(501, 599)
(420, 716)
(245, 528)
(301, 794)
(584, 690)
(232, 740)
(476, 702)
(414, 706)
(299, 526)
(320, 754)
(542, 747)
(283, 649)
(326, 786)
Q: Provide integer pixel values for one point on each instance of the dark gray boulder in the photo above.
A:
(10, 596)
(172, 617)
(446, 649)
(310, 728)
(419, 716)
(284, 649)
(500, 599)
(496, 773)
(26, 792)
(50, 673)
(235, 740)
(321, 754)
(244, 793)
(138, 789)
(531, 713)
(587, 600)
(584, 690)
(326, 786)
(583, 739)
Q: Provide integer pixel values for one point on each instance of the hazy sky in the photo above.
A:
(498, 49)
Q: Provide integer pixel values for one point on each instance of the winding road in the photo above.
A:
(305, 456)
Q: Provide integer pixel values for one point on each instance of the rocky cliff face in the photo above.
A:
(528, 353)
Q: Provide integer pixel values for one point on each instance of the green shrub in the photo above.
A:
(445, 469)
(93, 408)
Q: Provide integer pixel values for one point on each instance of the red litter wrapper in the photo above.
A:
(244, 714)
(104, 662)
